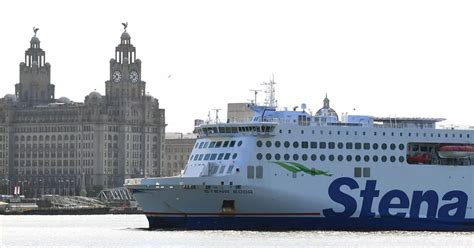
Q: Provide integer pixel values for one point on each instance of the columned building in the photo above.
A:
(56, 146)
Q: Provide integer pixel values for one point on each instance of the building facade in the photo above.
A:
(56, 146)
(178, 149)
(239, 112)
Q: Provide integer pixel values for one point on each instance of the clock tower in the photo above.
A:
(125, 86)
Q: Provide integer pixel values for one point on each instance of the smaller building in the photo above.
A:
(178, 147)
(239, 112)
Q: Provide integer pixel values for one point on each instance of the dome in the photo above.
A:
(35, 40)
(125, 36)
(10, 97)
(95, 95)
(326, 110)
(64, 100)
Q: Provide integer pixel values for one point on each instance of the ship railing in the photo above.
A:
(231, 129)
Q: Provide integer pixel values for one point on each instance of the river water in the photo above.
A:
(131, 231)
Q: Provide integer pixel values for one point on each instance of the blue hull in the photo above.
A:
(306, 223)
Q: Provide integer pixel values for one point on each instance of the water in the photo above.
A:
(131, 231)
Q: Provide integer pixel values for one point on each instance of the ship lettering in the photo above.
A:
(395, 203)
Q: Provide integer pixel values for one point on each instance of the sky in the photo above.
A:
(380, 58)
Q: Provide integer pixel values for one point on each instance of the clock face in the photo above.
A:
(133, 76)
(116, 76)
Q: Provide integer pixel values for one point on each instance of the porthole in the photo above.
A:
(366, 158)
(277, 156)
(268, 143)
(268, 156)
(331, 157)
(322, 157)
(384, 146)
(401, 147)
(340, 157)
(259, 143)
(357, 158)
(259, 156)
(304, 157)
(295, 157)
(401, 159)
(295, 144)
(340, 145)
(277, 144)
(286, 144)
(375, 146)
(375, 158)
(392, 146)
(286, 156)
(239, 144)
(349, 158)
(392, 159)
(234, 156)
(313, 157)
(384, 158)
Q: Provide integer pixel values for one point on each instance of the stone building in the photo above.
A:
(239, 112)
(56, 146)
(178, 149)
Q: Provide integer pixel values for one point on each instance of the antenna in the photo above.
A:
(255, 92)
(270, 91)
(217, 115)
(209, 117)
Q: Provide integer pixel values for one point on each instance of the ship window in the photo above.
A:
(446, 135)
(375, 158)
(234, 156)
(289, 131)
(295, 157)
(384, 158)
(366, 146)
(213, 156)
(268, 143)
(304, 157)
(358, 146)
(375, 146)
(401, 147)
(383, 133)
(227, 156)
(259, 172)
(393, 134)
(240, 143)
(200, 157)
(357, 158)
(314, 144)
(295, 144)
(347, 132)
(286, 156)
(331, 157)
(468, 135)
(330, 132)
(322, 145)
(313, 157)
(207, 157)
(250, 171)
(340, 157)
(331, 145)
(221, 155)
(304, 144)
(197, 144)
(229, 170)
(196, 157)
(338, 132)
(268, 156)
(221, 170)
(322, 157)
(431, 135)
(259, 143)
(302, 132)
(277, 156)
(409, 134)
(349, 158)
(355, 132)
(392, 146)
(340, 145)
(280, 131)
(277, 144)
(232, 143)
(201, 145)
(286, 144)
(401, 134)
(375, 133)
(218, 144)
(348, 145)
(401, 159)
(392, 159)
(366, 158)
(363, 133)
(366, 172)
(226, 143)
(321, 132)
(384, 146)
(357, 172)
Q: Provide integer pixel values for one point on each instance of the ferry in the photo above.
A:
(293, 170)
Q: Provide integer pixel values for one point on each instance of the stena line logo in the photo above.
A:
(395, 203)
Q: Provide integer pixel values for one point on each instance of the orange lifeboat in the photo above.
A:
(461, 151)
(420, 158)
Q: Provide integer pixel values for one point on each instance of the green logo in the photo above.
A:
(296, 167)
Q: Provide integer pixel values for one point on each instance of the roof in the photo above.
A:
(408, 119)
